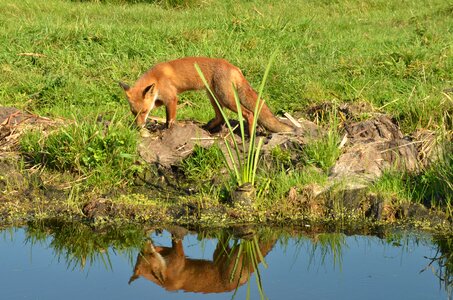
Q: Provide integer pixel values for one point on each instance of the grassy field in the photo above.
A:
(64, 58)
(397, 56)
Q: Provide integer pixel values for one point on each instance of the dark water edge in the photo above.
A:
(75, 261)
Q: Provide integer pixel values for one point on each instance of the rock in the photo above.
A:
(170, 146)
(309, 200)
(292, 141)
(376, 145)
(308, 129)
(370, 159)
(97, 208)
(376, 208)
(379, 127)
(9, 115)
(347, 197)
(14, 122)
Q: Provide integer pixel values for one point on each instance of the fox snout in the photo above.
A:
(140, 119)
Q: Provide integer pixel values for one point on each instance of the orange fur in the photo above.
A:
(161, 84)
(171, 269)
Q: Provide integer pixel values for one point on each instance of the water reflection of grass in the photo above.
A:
(250, 252)
(78, 244)
(328, 247)
(245, 250)
(444, 262)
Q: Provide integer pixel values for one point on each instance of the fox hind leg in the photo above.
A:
(230, 103)
(218, 120)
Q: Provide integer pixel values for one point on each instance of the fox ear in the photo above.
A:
(124, 86)
(148, 89)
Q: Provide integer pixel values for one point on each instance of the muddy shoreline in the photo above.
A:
(160, 195)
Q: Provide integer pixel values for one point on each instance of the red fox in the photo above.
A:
(161, 84)
(170, 268)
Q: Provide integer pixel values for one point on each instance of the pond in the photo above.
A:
(79, 262)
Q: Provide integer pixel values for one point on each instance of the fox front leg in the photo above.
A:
(170, 111)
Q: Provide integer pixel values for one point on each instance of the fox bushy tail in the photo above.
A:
(266, 118)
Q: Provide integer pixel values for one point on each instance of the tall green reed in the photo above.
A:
(244, 160)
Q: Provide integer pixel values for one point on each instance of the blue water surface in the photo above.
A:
(356, 267)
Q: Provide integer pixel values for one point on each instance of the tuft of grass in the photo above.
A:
(393, 187)
(324, 152)
(284, 179)
(203, 164)
(102, 154)
(281, 157)
(435, 185)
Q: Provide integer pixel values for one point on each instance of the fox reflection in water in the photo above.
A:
(230, 267)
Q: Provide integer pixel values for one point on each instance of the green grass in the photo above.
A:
(104, 155)
(283, 180)
(203, 164)
(394, 187)
(397, 56)
(433, 186)
(324, 152)
(163, 3)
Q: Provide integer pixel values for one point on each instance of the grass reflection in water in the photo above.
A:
(239, 253)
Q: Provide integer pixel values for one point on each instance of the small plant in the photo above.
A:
(281, 157)
(243, 163)
(324, 152)
(284, 179)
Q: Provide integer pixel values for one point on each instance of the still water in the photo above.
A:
(68, 262)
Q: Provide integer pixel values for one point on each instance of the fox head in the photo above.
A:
(141, 101)
(152, 264)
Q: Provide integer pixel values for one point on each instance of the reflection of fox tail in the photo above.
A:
(266, 119)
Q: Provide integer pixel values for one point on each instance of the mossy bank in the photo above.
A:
(192, 185)
(369, 81)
